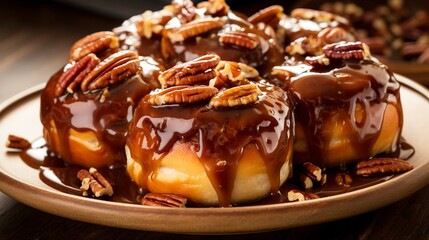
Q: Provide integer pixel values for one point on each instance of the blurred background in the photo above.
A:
(35, 36)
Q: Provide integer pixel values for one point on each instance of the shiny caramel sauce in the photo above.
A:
(61, 176)
(341, 91)
(290, 29)
(219, 136)
(84, 112)
(263, 57)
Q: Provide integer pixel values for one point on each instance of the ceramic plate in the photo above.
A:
(20, 116)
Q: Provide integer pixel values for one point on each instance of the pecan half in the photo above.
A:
(94, 181)
(194, 28)
(93, 43)
(16, 142)
(112, 70)
(347, 50)
(294, 195)
(164, 200)
(379, 166)
(199, 70)
(214, 7)
(182, 94)
(266, 15)
(240, 39)
(237, 96)
(74, 75)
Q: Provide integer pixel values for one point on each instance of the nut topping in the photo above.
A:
(195, 28)
(334, 34)
(318, 16)
(16, 142)
(112, 70)
(266, 15)
(240, 39)
(199, 70)
(164, 200)
(152, 23)
(182, 94)
(93, 43)
(311, 175)
(317, 61)
(343, 179)
(298, 196)
(237, 96)
(215, 7)
(347, 50)
(313, 171)
(379, 166)
(74, 75)
(94, 181)
(232, 74)
(184, 9)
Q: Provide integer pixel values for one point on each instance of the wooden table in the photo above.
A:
(34, 43)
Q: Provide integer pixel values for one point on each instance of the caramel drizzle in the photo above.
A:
(346, 88)
(218, 136)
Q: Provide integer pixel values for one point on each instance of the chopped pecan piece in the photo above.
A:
(317, 61)
(152, 23)
(266, 15)
(94, 181)
(184, 10)
(379, 166)
(347, 50)
(232, 74)
(16, 142)
(313, 171)
(164, 200)
(335, 34)
(215, 7)
(240, 39)
(199, 70)
(343, 179)
(74, 75)
(305, 46)
(237, 96)
(311, 175)
(318, 16)
(298, 196)
(182, 94)
(112, 70)
(194, 28)
(93, 43)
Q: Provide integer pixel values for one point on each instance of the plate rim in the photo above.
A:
(51, 200)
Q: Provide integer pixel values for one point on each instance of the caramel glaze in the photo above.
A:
(290, 29)
(263, 57)
(217, 135)
(84, 111)
(129, 39)
(335, 92)
(61, 176)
